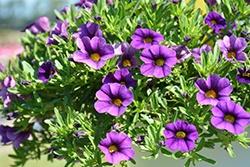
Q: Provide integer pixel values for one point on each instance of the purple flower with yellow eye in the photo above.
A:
(13, 135)
(233, 48)
(8, 82)
(243, 75)
(144, 38)
(88, 30)
(158, 61)
(122, 76)
(213, 90)
(230, 116)
(180, 136)
(117, 147)
(215, 21)
(93, 52)
(46, 71)
(127, 58)
(196, 52)
(59, 30)
(113, 99)
(41, 25)
(182, 52)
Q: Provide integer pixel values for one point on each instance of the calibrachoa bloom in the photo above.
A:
(180, 136)
(113, 98)
(215, 21)
(9, 82)
(122, 76)
(196, 52)
(182, 53)
(41, 25)
(12, 135)
(60, 30)
(93, 52)
(144, 38)
(158, 61)
(117, 147)
(127, 58)
(230, 116)
(85, 3)
(243, 75)
(88, 30)
(233, 47)
(213, 90)
(211, 2)
(46, 71)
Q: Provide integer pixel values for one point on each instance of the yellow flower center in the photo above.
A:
(117, 102)
(229, 118)
(245, 74)
(148, 40)
(126, 63)
(214, 22)
(231, 55)
(211, 94)
(159, 62)
(180, 135)
(113, 148)
(95, 57)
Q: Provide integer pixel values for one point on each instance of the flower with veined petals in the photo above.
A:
(88, 30)
(243, 75)
(41, 25)
(215, 21)
(127, 58)
(60, 30)
(46, 71)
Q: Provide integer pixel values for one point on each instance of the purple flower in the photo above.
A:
(243, 75)
(93, 52)
(46, 71)
(211, 2)
(122, 76)
(113, 98)
(127, 58)
(158, 61)
(213, 90)
(196, 52)
(41, 25)
(215, 21)
(11, 134)
(230, 116)
(180, 136)
(182, 52)
(144, 38)
(60, 30)
(9, 82)
(117, 147)
(233, 47)
(85, 3)
(88, 30)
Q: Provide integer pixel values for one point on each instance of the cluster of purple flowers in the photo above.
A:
(5, 95)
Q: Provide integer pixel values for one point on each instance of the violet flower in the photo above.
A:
(144, 38)
(113, 99)
(180, 136)
(46, 71)
(211, 2)
(213, 89)
(122, 76)
(12, 135)
(60, 30)
(127, 58)
(117, 147)
(9, 82)
(232, 48)
(215, 21)
(41, 25)
(158, 61)
(230, 116)
(89, 29)
(85, 3)
(93, 52)
(196, 52)
(243, 75)
(182, 53)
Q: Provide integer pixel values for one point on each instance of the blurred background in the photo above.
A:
(14, 16)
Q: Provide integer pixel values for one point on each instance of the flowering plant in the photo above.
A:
(112, 76)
